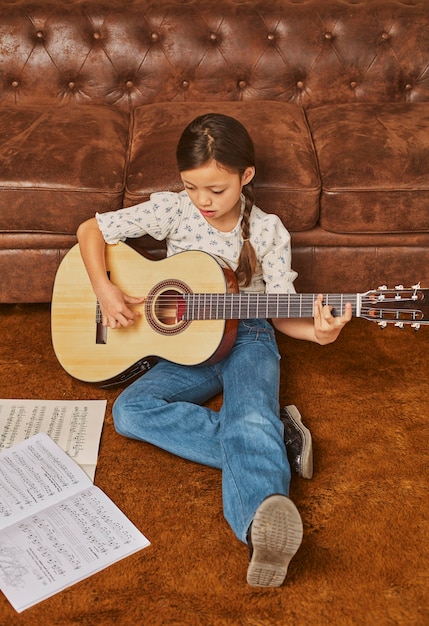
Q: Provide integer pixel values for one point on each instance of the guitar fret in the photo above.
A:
(193, 312)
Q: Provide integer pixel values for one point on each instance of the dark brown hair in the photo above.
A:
(225, 140)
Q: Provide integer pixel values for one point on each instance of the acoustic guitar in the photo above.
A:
(189, 315)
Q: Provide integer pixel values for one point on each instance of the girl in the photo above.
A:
(216, 213)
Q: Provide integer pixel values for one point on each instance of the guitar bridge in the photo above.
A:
(100, 330)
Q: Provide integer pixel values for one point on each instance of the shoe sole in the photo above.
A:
(306, 469)
(276, 535)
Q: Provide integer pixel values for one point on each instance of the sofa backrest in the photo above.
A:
(309, 52)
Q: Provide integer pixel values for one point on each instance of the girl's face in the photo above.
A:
(215, 191)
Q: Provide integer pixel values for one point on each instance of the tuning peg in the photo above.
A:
(416, 326)
(399, 286)
(382, 324)
(400, 324)
(415, 288)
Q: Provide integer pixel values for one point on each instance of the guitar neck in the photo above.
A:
(213, 306)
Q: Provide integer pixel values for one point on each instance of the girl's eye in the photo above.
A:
(218, 192)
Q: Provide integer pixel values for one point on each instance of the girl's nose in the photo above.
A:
(204, 200)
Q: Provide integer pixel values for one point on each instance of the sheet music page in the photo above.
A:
(75, 425)
(60, 538)
(35, 474)
(57, 548)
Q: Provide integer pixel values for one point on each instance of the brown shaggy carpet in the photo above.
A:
(364, 558)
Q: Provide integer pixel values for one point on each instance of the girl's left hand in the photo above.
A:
(326, 326)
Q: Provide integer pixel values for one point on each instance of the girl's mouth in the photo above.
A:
(207, 213)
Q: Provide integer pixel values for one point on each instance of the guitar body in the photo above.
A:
(92, 353)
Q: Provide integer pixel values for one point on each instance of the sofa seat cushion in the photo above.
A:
(60, 165)
(287, 180)
(374, 165)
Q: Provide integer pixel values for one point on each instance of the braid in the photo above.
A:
(247, 260)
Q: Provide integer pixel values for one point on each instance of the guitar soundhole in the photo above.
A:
(163, 305)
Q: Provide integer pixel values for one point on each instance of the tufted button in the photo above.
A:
(71, 84)
(15, 84)
(300, 84)
(353, 84)
(408, 86)
(129, 84)
(385, 36)
(97, 35)
(40, 34)
(185, 84)
(271, 36)
(242, 84)
(154, 36)
(213, 37)
(328, 35)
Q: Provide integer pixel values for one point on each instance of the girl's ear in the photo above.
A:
(248, 174)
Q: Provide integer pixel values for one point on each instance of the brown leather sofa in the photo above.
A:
(94, 95)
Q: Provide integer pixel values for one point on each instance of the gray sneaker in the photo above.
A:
(297, 438)
(274, 538)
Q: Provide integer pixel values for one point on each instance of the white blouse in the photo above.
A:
(173, 217)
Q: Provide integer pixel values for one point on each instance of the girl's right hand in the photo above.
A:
(114, 303)
(114, 306)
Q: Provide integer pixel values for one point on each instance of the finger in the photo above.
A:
(327, 312)
(126, 318)
(131, 314)
(134, 299)
(317, 308)
(348, 312)
(117, 321)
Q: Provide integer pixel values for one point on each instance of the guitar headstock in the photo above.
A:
(400, 306)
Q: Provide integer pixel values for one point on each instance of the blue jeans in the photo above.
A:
(244, 439)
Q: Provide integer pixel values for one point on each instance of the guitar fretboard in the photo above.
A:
(212, 306)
